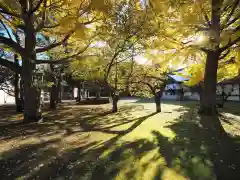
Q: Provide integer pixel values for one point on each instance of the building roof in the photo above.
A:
(178, 78)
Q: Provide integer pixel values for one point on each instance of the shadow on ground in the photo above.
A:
(197, 152)
(61, 147)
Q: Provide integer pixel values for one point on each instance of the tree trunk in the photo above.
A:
(79, 97)
(181, 94)
(87, 95)
(59, 90)
(17, 88)
(114, 103)
(208, 103)
(158, 96)
(21, 94)
(32, 110)
(98, 95)
(208, 106)
(53, 97)
(157, 99)
(19, 107)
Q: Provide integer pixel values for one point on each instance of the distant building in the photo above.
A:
(230, 87)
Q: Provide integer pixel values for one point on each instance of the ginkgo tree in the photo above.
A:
(211, 27)
(127, 26)
(227, 69)
(60, 20)
(150, 81)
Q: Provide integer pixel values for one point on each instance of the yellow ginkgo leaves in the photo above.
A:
(195, 74)
(100, 5)
(80, 30)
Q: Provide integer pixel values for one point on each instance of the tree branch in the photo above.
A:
(205, 16)
(225, 54)
(232, 21)
(157, 78)
(10, 65)
(236, 29)
(5, 28)
(63, 60)
(116, 53)
(51, 46)
(234, 6)
(230, 61)
(229, 44)
(41, 24)
(12, 44)
(6, 11)
(37, 6)
(46, 27)
(204, 49)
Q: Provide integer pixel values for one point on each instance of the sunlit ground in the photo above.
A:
(88, 142)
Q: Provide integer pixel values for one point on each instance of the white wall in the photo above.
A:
(5, 98)
(170, 97)
(191, 96)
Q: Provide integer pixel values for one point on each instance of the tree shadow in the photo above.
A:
(231, 107)
(197, 150)
(68, 120)
(166, 101)
(43, 153)
(93, 126)
(42, 161)
(7, 112)
(200, 147)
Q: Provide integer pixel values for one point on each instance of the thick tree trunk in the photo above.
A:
(181, 94)
(208, 103)
(53, 97)
(208, 106)
(32, 110)
(157, 99)
(114, 103)
(158, 96)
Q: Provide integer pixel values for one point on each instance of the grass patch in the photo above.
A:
(89, 142)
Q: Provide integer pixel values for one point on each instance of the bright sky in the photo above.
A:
(141, 60)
